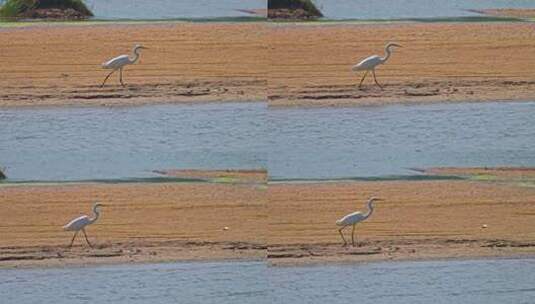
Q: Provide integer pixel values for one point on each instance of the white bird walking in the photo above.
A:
(119, 62)
(370, 63)
(354, 218)
(81, 222)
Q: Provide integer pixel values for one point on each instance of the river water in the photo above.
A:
(472, 281)
(171, 9)
(130, 142)
(380, 141)
(405, 9)
(125, 142)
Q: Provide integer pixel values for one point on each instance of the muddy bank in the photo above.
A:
(141, 223)
(202, 62)
(418, 220)
(311, 65)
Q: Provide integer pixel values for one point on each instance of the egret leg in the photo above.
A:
(72, 241)
(87, 240)
(362, 80)
(121, 77)
(342, 235)
(353, 236)
(105, 79)
(375, 79)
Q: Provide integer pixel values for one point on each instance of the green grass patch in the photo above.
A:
(225, 180)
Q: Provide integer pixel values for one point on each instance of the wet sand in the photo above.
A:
(141, 223)
(417, 221)
(311, 64)
(187, 62)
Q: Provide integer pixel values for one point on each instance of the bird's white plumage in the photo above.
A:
(354, 218)
(351, 219)
(368, 63)
(78, 223)
(117, 62)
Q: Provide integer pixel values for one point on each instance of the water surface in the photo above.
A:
(474, 281)
(381, 141)
(206, 283)
(404, 9)
(171, 9)
(125, 142)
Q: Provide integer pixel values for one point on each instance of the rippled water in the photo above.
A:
(171, 9)
(242, 282)
(401, 9)
(379, 141)
(483, 281)
(100, 143)
(105, 143)
(478, 281)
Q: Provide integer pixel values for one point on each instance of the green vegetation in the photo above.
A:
(37, 9)
(305, 5)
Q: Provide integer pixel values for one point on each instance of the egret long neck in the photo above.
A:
(136, 56)
(388, 52)
(96, 215)
(370, 209)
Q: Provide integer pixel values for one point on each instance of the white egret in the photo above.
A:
(81, 222)
(370, 63)
(354, 218)
(119, 62)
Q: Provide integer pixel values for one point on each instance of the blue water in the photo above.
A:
(475, 282)
(483, 281)
(104, 143)
(402, 9)
(241, 282)
(380, 141)
(171, 9)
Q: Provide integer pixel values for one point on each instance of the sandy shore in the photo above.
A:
(304, 64)
(142, 223)
(187, 62)
(311, 64)
(289, 223)
(418, 220)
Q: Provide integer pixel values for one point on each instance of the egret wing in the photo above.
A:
(368, 63)
(78, 223)
(350, 219)
(116, 62)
